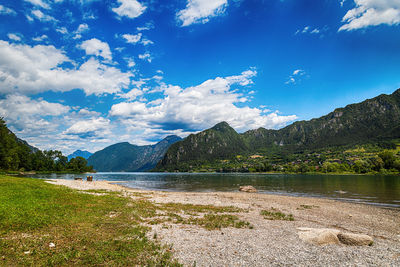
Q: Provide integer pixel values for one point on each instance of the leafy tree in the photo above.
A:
(396, 164)
(388, 159)
(361, 166)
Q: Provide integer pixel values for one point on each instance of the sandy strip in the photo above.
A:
(274, 243)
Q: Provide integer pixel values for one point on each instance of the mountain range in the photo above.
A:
(125, 157)
(372, 120)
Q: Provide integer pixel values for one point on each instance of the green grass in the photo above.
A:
(275, 214)
(34, 214)
(95, 227)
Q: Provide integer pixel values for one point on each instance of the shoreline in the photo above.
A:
(270, 242)
(343, 200)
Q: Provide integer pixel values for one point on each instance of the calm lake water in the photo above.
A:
(377, 190)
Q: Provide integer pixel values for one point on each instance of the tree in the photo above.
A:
(388, 159)
(377, 164)
(361, 166)
(396, 164)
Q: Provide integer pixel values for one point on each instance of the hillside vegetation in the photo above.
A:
(357, 138)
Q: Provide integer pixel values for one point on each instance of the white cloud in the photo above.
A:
(132, 38)
(368, 13)
(146, 56)
(146, 27)
(40, 38)
(14, 36)
(200, 11)
(7, 11)
(62, 30)
(41, 16)
(132, 94)
(146, 42)
(89, 127)
(199, 107)
(39, 3)
(131, 62)
(34, 69)
(25, 115)
(309, 30)
(296, 76)
(96, 47)
(81, 29)
(129, 8)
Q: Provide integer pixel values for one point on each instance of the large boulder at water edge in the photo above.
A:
(248, 189)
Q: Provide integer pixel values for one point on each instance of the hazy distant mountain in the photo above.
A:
(80, 153)
(372, 120)
(125, 157)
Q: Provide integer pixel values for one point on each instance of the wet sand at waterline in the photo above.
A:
(271, 242)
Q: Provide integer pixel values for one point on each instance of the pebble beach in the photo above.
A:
(273, 242)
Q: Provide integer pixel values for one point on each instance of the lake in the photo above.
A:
(370, 189)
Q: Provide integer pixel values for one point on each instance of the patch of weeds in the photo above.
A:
(275, 214)
(307, 207)
(213, 221)
(192, 209)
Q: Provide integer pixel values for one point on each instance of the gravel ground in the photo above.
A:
(274, 243)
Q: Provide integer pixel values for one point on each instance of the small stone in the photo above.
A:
(355, 239)
(52, 245)
(247, 189)
(27, 252)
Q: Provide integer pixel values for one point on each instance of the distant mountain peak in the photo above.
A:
(127, 157)
(80, 153)
(222, 127)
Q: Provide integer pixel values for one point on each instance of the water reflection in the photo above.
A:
(380, 190)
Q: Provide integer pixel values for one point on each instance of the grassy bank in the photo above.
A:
(35, 215)
(44, 224)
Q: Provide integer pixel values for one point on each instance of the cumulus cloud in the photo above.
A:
(49, 125)
(7, 11)
(132, 38)
(199, 107)
(368, 13)
(41, 16)
(34, 69)
(200, 11)
(39, 3)
(146, 27)
(129, 8)
(14, 36)
(26, 116)
(96, 47)
(62, 30)
(81, 29)
(146, 57)
(89, 128)
(40, 38)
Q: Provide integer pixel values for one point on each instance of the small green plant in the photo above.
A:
(275, 214)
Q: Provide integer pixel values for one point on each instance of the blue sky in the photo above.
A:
(84, 74)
